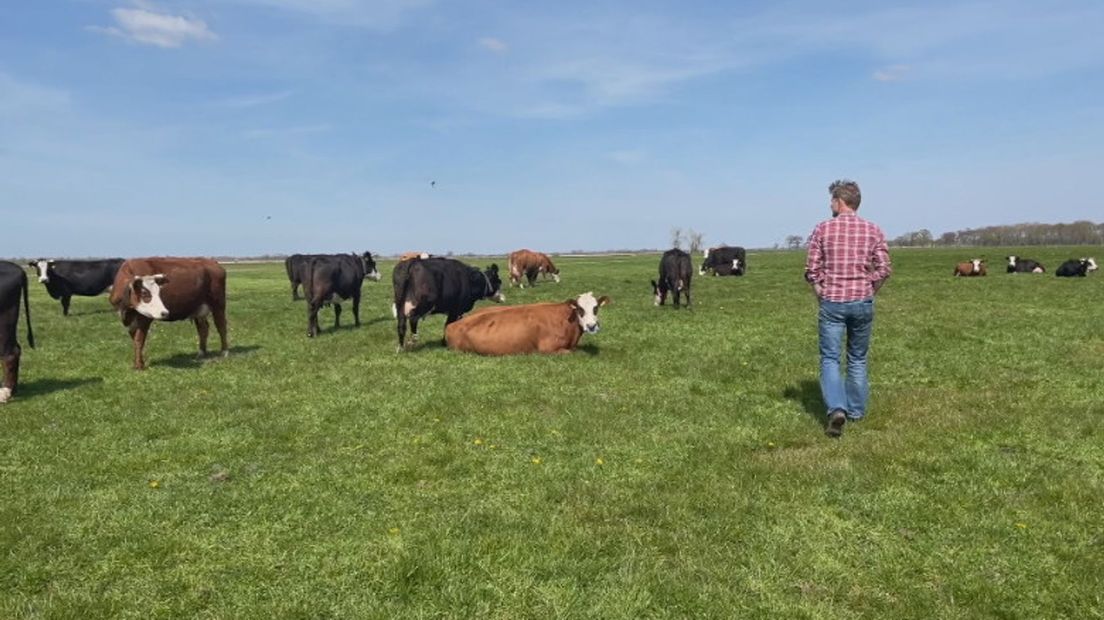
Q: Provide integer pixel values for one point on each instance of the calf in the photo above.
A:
(975, 267)
(724, 261)
(674, 275)
(13, 285)
(530, 264)
(1076, 268)
(66, 278)
(331, 279)
(1024, 265)
(170, 289)
(440, 286)
(530, 328)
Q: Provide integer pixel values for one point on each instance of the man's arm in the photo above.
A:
(814, 261)
(880, 262)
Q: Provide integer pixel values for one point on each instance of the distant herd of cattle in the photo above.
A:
(143, 290)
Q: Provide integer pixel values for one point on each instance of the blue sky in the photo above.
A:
(134, 127)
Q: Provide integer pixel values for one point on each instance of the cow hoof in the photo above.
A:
(5, 395)
(226, 353)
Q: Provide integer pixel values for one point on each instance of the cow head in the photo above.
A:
(370, 270)
(145, 296)
(586, 310)
(659, 294)
(977, 265)
(1090, 262)
(42, 268)
(494, 284)
(735, 265)
(1012, 263)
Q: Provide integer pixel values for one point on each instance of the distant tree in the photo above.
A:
(676, 238)
(695, 240)
(795, 242)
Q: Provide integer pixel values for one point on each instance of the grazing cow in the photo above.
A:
(971, 268)
(295, 264)
(440, 286)
(529, 328)
(724, 261)
(1076, 268)
(674, 275)
(332, 279)
(65, 278)
(13, 284)
(405, 256)
(170, 289)
(530, 264)
(1024, 265)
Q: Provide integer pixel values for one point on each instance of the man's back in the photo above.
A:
(848, 258)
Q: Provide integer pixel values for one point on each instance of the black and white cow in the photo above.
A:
(66, 278)
(13, 284)
(333, 279)
(440, 286)
(1076, 268)
(1024, 265)
(724, 261)
(295, 264)
(675, 271)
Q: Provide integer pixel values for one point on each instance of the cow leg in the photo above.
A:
(139, 329)
(202, 329)
(312, 318)
(400, 328)
(65, 305)
(294, 291)
(11, 374)
(356, 309)
(687, 293)
(219, 314)
(448, 321)
(337, 315)
(414, 328)
(677, 295)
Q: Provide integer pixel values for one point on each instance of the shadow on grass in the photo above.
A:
(41, 387)
(73, 313)
(192, 360)
(807, 394)
(590, 349)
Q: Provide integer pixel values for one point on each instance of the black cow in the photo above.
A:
(13, 283)
(295, 264)
(1076, 268)
(331, 279)
(674, 275)
(65, 278)
(440, 286)
(1024, 265)
(724, 261)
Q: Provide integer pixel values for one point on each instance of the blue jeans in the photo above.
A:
(856, 319)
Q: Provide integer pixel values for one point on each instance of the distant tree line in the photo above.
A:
(1076, 233)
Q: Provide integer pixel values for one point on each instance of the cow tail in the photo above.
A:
(400, 296)
(287, 267)
(27, 310)
(308, 281)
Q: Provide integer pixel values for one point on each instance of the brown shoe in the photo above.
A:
(836, 420)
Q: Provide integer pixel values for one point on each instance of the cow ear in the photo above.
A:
(603, 301)
(32, 264)
(51, 263)
(493, 268)
(160, 278)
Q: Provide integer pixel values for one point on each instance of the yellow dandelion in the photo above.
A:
(770, 444)
(478, 441)
(536, 460)
(154, 484)
(393, 531)
(1022, 526)
(492, 446)
(599, 461)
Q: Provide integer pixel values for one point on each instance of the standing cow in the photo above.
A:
(13, 285)
(66, 278)
(170, 289)
(674, 276)
(440, 286)
(296, 263)
(1076, 268)
(530, 264)
(1024, 265)
(971, 268)
(530, 328)
(332, 279)
(724, 261)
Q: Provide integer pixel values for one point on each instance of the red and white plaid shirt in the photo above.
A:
(848, 258)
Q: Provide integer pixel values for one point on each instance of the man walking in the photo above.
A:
(848, 262)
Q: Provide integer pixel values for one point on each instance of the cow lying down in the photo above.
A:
(529, 328)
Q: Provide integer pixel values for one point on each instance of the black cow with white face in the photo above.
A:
(675, 271)
(440, 286)
(1017, 264)
(724, 261)
(13, 285)
(332, 279)
(1076, 268)
(66, 278)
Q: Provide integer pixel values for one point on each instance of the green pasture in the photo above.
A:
(674, 467)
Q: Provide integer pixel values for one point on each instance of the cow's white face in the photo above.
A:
(147, 293)
(586, 310)
(735, 264)
(1091, 262)
(556, 278)
(706, 253)
(1011, 261)
(43, 269)
(374, 275)
(977, 265)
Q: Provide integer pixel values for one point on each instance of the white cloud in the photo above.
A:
(892, 73)
(492, 44)
(146, 26)
(374, 14)
(276, 132)
(551, 110)
(253, 100)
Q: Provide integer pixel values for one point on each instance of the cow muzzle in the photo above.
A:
(499, 297)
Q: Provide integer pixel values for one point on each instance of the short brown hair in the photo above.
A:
(847, 191)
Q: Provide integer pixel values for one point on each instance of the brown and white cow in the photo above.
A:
(975, 267)
(170, 289)
(405, 256)
(530, 264)
(529, 328)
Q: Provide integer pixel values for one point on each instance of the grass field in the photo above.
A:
(675, 467)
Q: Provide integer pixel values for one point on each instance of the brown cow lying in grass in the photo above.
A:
(975, 267)
(530, 328)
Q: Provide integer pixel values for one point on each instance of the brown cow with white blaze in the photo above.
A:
(530, 264)
(405, 256)
(529, 328)
(972, 268)
(170, 289)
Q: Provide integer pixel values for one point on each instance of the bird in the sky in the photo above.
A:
(433, 183)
